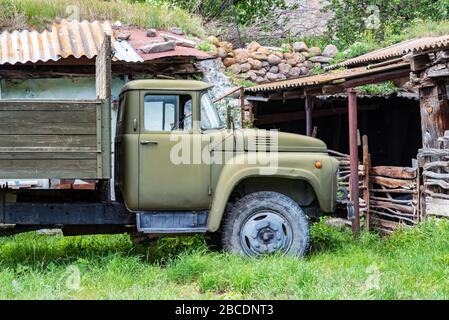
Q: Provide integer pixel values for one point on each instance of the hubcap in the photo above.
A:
(266, 232)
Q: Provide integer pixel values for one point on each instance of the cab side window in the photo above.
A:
(167, 112)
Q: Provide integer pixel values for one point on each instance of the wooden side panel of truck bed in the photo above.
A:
(55, 139)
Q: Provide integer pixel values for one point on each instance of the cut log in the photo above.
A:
(386, 204)
(436, 164)
(437, 207)
(393, 183)
(394, 172)
(179, 41)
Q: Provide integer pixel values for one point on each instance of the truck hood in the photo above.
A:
(280, 141)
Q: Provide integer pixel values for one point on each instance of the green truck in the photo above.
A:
(176, 170)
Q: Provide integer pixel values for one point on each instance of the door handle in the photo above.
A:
(148, 142)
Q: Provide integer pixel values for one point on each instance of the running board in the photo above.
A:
(172, 222)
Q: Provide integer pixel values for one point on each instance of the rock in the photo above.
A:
(245, 67)
(214, 40)
(274, 69)
(294, 72)
(151, 33)
(284, 68)
(225, 45)
(261, 72)
(273, 59)
(299, 57)
(266, 64)
(156, 46)
(264, 50)
(252, 76)
(222, 53)
(321, 59)
(241, 55)
(281, 76)
(243, 76)
(123, 35)
(177, 31)
(235, 68)
(279, 54)
(255, 64)
(308, 64)
(253, 46)
(229, 62)
(272, 76)
(330, 51)
(213, 52)
(300, 47)
(304, 70)
(259, 56)
(314, 51)
(261, 80)
(292, 62)
(305, 54)
(287, 55)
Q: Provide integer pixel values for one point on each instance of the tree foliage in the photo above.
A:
(245, 10)
(354, 20)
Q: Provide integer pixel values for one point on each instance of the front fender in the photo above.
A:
(284, 165)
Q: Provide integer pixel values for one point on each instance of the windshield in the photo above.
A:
(209, 115)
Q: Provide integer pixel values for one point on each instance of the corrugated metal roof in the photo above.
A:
(323, 78)
(64, 39)
(138, 39)
(82, 39)
(397, 50)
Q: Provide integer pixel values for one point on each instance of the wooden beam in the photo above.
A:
(377, 78)
(434, 114)
(309, 105)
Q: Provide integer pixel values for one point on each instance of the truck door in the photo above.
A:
(164, 182)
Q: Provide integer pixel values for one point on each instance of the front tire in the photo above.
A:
(264, 223)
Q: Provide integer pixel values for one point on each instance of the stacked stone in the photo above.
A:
(261, 64)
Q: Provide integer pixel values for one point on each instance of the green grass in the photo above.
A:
(20, 14)
(411, 264)
(384, 88)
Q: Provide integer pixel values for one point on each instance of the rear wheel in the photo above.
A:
(264, 223)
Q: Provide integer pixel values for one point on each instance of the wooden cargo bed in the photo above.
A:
(65, 139)
(55, 139)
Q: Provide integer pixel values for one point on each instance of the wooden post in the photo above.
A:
(309, 105)
(242, 105)
(366, 180)
(250, 109)
(103, 78)
(434, 114)
(354, 158)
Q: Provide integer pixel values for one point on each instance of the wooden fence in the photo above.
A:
(389, 196)
(435, 191)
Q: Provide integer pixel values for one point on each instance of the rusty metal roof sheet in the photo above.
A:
(82, 39)
(397, 50)
(320, 79)
(62, 40)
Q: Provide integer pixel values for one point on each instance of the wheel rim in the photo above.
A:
(266, 232)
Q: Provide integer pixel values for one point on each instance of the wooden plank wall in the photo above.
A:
(48, 139)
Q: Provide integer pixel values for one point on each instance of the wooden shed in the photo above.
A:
(388, 189)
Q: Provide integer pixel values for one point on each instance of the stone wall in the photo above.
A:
(261, 64)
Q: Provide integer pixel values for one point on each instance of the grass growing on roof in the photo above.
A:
(411, 264)
(20, 14)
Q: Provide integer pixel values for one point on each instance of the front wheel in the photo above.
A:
(265, 223)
